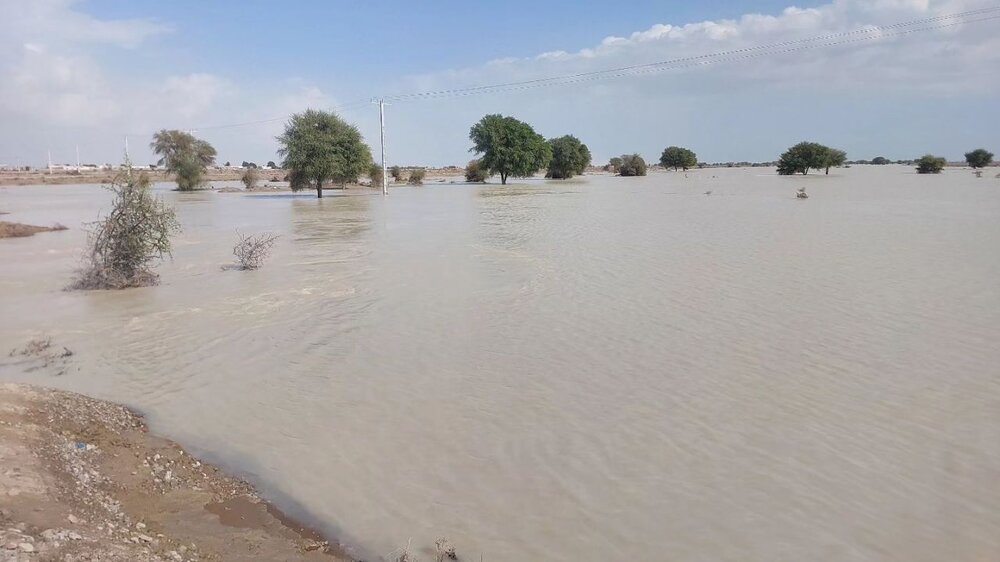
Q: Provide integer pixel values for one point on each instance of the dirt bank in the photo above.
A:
(82, 479)
(18, 230)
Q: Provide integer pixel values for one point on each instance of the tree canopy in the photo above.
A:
(979, 158)
(678, 158)
(930, 164)
(318, 146)
(614, 164)
(804, 156)
(184, 156)
(632, 165)
(834, 157)
(880, 161)
(569, 157)
(509, 147)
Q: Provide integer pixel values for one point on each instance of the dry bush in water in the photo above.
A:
(123, 246)
(416, 176)
(252, 249)
(250, 178)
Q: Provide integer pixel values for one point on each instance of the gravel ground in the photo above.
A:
(82, 479)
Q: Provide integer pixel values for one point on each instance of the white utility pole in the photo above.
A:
(77, 158)
(50, 161)
(381, 124)
(126, 148)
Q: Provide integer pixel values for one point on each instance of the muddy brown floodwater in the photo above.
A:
(599, 369)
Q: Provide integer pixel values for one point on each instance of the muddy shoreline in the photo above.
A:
(83, 479)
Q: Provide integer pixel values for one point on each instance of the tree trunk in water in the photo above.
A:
(828, 170)
(319, 189)
(503, 178)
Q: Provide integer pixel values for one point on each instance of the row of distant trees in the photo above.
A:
(320, 148)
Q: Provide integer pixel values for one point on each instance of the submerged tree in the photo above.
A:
(979, 158)
(801, 157)
(678, 158)
(632, 165)
(136, 233)
(834, 158)
(930, 164)
(474, 172)
(509, 147)
(613, 165)
(319, 146)
(184, 156)
(569, 157)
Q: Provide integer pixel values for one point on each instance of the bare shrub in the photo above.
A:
(252, 249)
(475, 172)
(417, 176)
(123, 246)
(375, 173)
(250, 178)
(445, 550)
(397, 173)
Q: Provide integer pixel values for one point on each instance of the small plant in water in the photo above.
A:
(252, 249)
(123, 246)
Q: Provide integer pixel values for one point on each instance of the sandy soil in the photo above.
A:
(18, 230)
(82, 479)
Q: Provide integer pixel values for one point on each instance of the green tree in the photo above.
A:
(569, 157)
(318, 146)
(930, 164)
(632, 165)
(801, 157)
(880, 161)
(614, 165)
(979, 158)
(184, 156)
(678, 158)
(834, 158)
(271, 164)
(509, 147)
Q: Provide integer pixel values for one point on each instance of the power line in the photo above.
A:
(869, 33)
(864, 34)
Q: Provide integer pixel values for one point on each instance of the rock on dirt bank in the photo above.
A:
(82, 479)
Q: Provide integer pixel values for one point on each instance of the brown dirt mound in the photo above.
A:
(18, 230)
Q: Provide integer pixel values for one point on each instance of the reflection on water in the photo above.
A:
(603, 369)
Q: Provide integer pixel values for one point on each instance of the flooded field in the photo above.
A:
(598, 369)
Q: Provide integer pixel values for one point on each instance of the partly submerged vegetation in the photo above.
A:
(184, 156)
(124, 245)
(979, 158)
(570, 157)
(678, 158)
(509, 147)
(252, 249)
(805, 156)
(320, 147)
(475, 173)
(930, 164)
(632, 165)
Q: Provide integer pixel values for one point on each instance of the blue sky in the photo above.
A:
(89, 72)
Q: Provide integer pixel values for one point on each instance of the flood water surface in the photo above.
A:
(598, 369)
